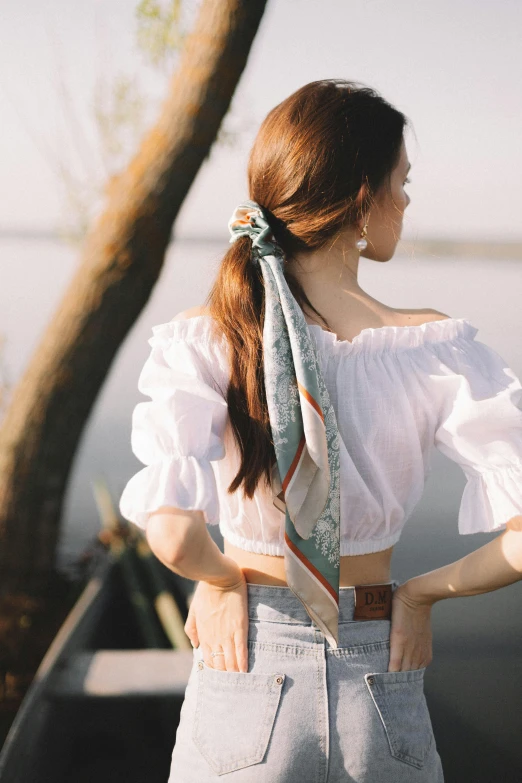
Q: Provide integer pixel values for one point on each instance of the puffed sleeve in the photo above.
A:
(479, 427)
(180, 430)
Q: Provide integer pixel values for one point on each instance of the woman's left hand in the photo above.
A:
(410, 632)
(218, 619)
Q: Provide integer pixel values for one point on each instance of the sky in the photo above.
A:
(452, 66)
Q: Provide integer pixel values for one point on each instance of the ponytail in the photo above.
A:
(236, 303)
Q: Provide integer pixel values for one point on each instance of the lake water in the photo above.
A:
(477, 640)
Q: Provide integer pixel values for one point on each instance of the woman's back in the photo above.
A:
(371, 567)
(398, 391)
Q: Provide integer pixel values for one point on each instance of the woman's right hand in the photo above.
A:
(410, 632)
(218, 621)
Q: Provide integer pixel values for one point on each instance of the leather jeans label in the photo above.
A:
(373, 602)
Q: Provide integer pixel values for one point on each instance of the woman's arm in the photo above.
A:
(496, 564)
(218, 612)
(180, 539)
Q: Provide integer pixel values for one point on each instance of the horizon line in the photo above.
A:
(25, 233)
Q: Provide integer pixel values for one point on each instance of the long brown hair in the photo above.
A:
(318, 160)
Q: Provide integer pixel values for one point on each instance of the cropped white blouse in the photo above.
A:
(398, 391)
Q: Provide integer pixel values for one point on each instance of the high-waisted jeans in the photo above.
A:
(303, 712)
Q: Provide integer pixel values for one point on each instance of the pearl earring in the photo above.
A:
(361, 243)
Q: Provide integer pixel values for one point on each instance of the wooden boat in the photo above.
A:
(104, 704)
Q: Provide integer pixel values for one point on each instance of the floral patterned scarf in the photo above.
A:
(304, 430)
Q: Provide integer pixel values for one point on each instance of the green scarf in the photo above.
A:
(304, 431)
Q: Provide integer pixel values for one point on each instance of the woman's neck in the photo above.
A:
(328, 277)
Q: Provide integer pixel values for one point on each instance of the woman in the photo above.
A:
(300, 413)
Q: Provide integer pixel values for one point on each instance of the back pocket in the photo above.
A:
(401, 703)
(235, 715)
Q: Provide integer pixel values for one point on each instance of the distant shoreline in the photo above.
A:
(462, 248)
(425, 246)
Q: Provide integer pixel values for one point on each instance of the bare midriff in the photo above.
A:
(373, 568)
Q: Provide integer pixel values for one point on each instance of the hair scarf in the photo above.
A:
(305, 476)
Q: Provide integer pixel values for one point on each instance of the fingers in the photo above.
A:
(395, 664)
(216, 661)
(230, 656)
(225, 662)
(398, 642)
(235, 656)
(403, 657)
(407, 660)
(241, 643)
(191, 630)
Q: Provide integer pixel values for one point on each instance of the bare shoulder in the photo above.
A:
(433, 315)
(191, 312)
(424, 315)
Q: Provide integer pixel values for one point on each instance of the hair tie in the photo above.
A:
(250, 220)
(306, 474)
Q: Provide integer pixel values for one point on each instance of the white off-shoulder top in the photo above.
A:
(398, 392)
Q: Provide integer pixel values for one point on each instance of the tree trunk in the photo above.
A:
(121, 261)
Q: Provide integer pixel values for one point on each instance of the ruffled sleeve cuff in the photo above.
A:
(491, 499)
(184, 482)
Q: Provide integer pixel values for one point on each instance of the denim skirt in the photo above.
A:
(303, 712)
